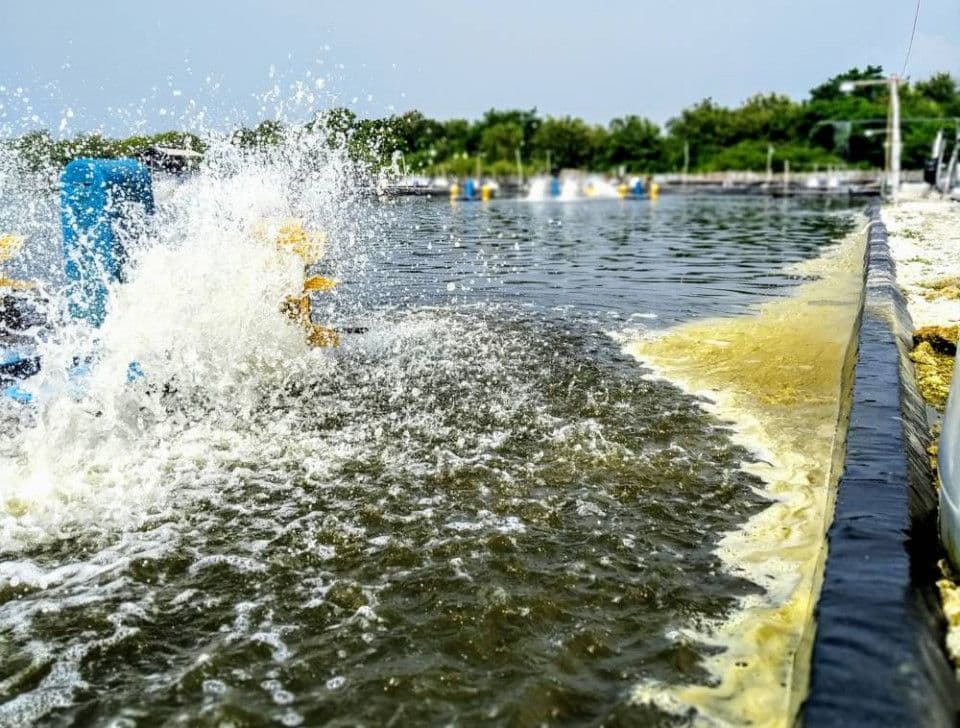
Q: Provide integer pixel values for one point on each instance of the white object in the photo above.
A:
(948, 458)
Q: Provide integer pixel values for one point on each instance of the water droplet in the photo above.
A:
(335, 683)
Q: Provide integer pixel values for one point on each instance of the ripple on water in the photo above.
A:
(477, 511)
(465, 516)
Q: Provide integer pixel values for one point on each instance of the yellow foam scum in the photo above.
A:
(781, 375)
(934, 371)
(950, 601)
(942, 288)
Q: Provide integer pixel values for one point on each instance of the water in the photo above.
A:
(480, 510)
(626, 262)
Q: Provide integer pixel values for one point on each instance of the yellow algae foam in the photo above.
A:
(950, 600)
(782, 376)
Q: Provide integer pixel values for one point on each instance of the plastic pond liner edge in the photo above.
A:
(878, 656)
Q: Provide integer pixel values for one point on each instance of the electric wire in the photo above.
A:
(913, 33)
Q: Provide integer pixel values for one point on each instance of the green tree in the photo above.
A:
(338, 124)
(829, 127)
(570, 142)
(845, 122)
(706, 127)
(264, 134)
(527, 120)
(940, 88)
(36, 149)
(830, 90)
(635, 143)
(769, 117)
(501, 140)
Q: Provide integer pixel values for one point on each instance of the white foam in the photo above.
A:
(200, 314)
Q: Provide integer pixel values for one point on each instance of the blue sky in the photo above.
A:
(120, 66)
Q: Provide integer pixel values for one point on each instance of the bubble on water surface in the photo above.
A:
(473, 508)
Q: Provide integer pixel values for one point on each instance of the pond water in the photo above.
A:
(478, 510)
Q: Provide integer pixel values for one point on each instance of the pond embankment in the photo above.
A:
(879, 655)
(925, 243)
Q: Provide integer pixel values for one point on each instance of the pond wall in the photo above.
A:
(878, 656)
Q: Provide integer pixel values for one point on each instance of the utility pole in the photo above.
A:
(895, 142)
(686, 161)
(519, 166)
(769, 165)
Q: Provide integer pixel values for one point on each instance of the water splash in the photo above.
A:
(200, 314)
(569, 190)
(539, 189)
(259, 531)
(598, 188)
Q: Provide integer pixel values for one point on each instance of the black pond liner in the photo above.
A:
(878, 655)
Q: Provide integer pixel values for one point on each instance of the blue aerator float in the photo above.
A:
(638, 191)
(555, 187)
(470, 192)
(95, 202)
(94, 199)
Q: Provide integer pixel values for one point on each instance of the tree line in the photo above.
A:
(829, 128)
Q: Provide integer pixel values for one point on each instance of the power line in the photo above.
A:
(913, 33)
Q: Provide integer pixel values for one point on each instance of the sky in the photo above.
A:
(132, 66)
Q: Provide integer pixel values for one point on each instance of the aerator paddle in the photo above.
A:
(310, 247)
